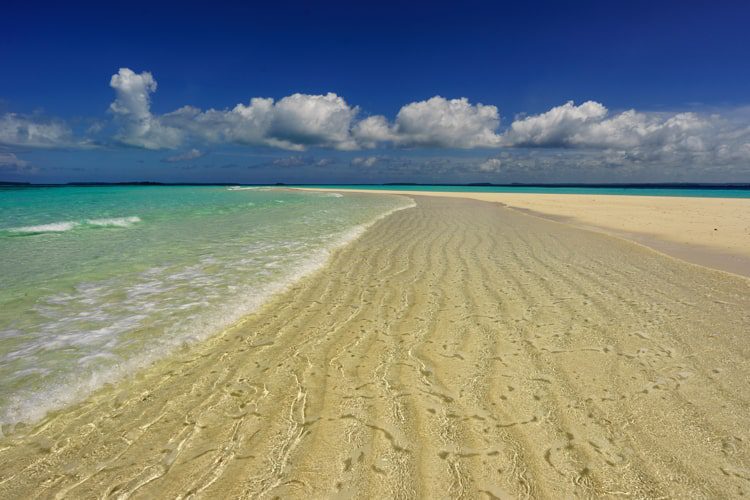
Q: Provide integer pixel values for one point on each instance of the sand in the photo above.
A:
(456, 349)
(713, 232)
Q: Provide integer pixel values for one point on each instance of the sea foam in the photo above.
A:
(63, 226)
(194, 294)
(54, 227)
(114, 222)
(248, 188)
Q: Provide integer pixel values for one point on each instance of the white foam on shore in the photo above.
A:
(28, 407)
(54, 227)
(63, 226)
(114, 222)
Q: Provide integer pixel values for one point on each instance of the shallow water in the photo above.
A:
(98, 281)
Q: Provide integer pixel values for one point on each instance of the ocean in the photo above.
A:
(97, 282)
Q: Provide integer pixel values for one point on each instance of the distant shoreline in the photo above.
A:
(657, 185)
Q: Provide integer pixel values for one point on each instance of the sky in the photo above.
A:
(356, 92)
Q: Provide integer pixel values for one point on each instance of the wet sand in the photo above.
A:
(712, 232)
(457, 349)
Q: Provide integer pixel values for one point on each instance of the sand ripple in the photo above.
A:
(456, 349)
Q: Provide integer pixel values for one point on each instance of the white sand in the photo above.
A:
(457, 349)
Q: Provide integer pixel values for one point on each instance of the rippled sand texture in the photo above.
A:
(712, 232)
(456, 349)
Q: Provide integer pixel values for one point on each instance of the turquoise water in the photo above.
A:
(98, 281)
(686, 192)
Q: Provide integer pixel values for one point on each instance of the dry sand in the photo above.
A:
(713, 232)
(457, 349)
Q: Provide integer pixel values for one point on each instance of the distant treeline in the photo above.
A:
(662, 185)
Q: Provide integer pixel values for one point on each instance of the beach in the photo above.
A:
(713, 232)
(458, 348)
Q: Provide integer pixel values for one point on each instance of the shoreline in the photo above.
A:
(26, 414)
(672, 231)
(456, 348)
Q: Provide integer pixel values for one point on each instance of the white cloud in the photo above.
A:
(454, 123)
(374, 130)
(314, 120)
(491, 165)
(583, 135)
(605, 165)
(437, 122)
(366, 161)
(658, 138)
(293, 122)
(132, 110)
(301, 161)
(556, 126)
(632, 129)
(299, 121)
(25, 131)
(186, 156)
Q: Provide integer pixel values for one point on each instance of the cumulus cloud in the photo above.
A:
(373, 131)
(299, 121)
(569, 136)
(437, 122)
(454, 123)
(313, 120)
(186, 156)
(34, 132)
(293, 122)
(635, 136)
(132, 110)
(556, 126)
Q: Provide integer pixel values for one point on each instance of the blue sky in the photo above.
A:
(425, 92)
